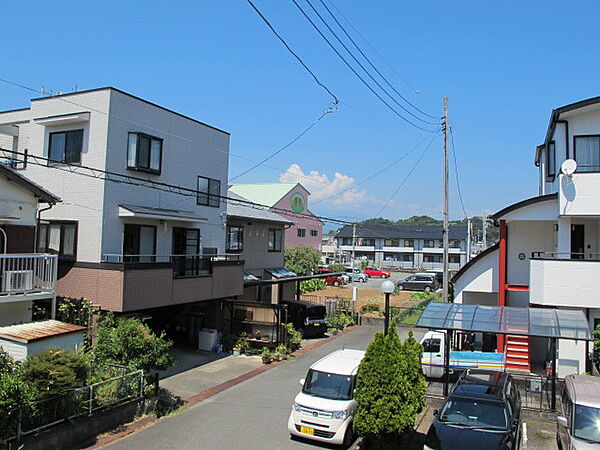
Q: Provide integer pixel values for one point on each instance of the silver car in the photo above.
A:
(578, 426)
(357, 276)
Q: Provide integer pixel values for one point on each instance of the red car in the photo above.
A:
(332, 280)
(376, 272)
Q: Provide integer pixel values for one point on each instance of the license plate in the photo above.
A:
(317, 324)
(306, 430)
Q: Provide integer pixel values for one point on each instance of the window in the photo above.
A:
(392, 243)
(275, 236)
(314, 233)
(432, 258)
(454, 259)
(209, 191)
(432, 345)
(301, 232)
(346, 241)
(409, 243)
(65, 146)
(235, 239)
(186, 250)
(587, 153)
(407, 257)
(139, 243)
(144, 153)
(366, 242)
(550, 160)
(59, 238)
(454, 244)
(429, 243)
(329, 385)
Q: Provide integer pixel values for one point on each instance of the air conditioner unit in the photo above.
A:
(17, 280)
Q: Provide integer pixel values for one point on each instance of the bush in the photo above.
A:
(301, 259)
(390, 388)
(370, 307)
(130, 343)
(316, 284)
(337, 267)
(55, 371)
(294, 337)
(340, 320)
(7, 364)
(15, 394)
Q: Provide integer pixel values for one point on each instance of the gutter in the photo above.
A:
(39, 218)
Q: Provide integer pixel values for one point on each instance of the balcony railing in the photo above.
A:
(27, 274)
(588, 256)
(183, 265)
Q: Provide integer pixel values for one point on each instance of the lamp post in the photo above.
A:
(387, 287)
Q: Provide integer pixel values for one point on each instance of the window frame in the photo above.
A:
(240, 239)
(425, 241)
(314, 233)
(64, 151)
(597, 169)
(411, 243)
(551, 175)
(133, 257)
(62, 224)
(301, 232)
(276, 248)
(210, 197)
(138, 167)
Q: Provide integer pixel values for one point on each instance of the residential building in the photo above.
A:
(27, 277)
(404, 247)
(547, 255)
(329, 250)
(290, 201)
(127, 242)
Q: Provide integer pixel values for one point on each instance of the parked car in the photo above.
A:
(325, 408)
(418, 282)
(439, 276)
(335, 280)
(377, 272)
(482, 411)
(577, 427)
(307, 317)
(357, 275)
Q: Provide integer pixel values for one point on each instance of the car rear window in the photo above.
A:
(474, 413)
(316, 312)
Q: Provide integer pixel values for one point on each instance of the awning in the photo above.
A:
(249, 277)
(541, 322)
(281, 273)
(126, 210)
(63, 119)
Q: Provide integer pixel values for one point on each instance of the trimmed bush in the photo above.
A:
(370, 307)
(316, 284)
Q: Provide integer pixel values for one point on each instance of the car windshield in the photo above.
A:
(474, 413)
(587, 423)
(328, 385)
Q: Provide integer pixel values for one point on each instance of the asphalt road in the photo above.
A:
(250, 415)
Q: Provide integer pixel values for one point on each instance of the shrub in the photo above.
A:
(294, 337)
(15, 394)
(131, 343)
(340, 320)
(7, 364)
(390, 388)
(316, 284)
(301, 259)
(337, 267)
(55, 371)
(369, 307)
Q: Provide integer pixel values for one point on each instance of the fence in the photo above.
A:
(27, 273)
(77, 402)
(333, 304)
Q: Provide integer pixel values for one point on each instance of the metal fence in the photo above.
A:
(333, 304)
(78, 402)
(27, 273)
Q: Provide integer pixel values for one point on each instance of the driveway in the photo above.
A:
(250, 415)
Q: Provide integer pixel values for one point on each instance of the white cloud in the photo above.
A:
(320, 186)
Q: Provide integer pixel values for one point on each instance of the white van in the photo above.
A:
(325, 408)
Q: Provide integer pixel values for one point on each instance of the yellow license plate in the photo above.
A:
(317, 324)
(306, 430)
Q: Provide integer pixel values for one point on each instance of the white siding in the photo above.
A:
(16, 201)
(481, 277)
(526, 237)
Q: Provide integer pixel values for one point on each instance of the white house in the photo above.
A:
(548, 254)
(130, 246)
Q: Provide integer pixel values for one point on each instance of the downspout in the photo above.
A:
(55, 269)
(39, 218)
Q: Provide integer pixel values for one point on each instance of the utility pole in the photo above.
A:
(353, 243)
(484, 230)
(446, 127)
(469, 239)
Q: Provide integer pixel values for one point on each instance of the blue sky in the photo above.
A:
(503, 65)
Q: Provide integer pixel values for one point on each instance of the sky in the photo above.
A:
(504, 66)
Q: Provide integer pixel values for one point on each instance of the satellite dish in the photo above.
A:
(568, 167)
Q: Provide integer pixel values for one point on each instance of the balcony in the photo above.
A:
(136, 282)
(579, 194)
(564, 279)
(27, 277)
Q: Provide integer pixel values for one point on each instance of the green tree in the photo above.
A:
(390, 388)
(15, 394)
(337, 267)
(55, 371)
(131, 343)
(301, 259)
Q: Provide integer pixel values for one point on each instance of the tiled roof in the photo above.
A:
(20, 179)
(267, 194)
(248, 212)
(402, 232)
(33, 331)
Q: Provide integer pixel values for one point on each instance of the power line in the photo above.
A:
(462, 205)
(306, 130)
(354, 71)
(294, 54)
(370, 63)
(363, 67)
(389, 166)
(406, 177)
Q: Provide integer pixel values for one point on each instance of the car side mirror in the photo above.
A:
(562, 421)
(435, 412)
(302, 382)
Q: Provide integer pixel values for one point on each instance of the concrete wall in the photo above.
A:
(525, 238)
(13, 313)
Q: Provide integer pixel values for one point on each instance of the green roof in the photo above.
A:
(267, 194)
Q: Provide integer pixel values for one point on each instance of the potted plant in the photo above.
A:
(244, 334)
(276, 356)
(257, 334)
(282, 351)
(237, 351)
(243, 346)
(266, 356)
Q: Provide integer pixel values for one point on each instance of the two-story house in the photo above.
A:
(548, 254)
(289, 200)
(127, 242)
(404, 247)
(27, 278)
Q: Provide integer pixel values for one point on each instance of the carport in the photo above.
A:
(504, 320)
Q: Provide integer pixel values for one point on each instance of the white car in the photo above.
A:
(325, 408)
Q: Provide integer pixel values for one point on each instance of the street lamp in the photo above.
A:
(387, 287)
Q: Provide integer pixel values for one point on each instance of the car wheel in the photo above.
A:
(427, 289)
(348, 437)
(363, 280)
(400, 287)
(336, 283)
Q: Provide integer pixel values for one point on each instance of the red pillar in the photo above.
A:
(502, 276)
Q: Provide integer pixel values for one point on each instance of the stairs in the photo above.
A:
(517, 353)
